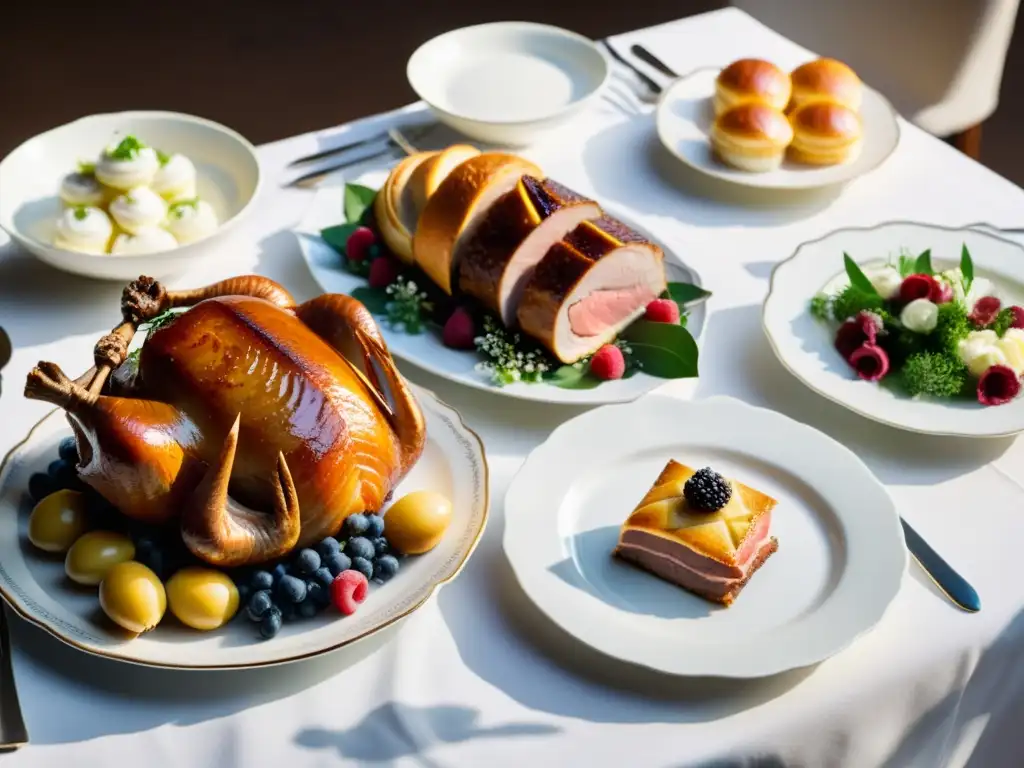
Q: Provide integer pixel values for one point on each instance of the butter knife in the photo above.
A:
(13, 733)
(952, 584)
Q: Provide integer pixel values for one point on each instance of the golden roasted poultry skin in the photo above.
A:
(255, 424)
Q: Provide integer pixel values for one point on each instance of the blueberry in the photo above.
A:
(380, 546)
(289, 611)
(40, 486)
(306, 562)
(68, 450)
(360, 547)
(363, 565)
(385, 568)
(291, 589)
(243, 592)
(259, 603)
(279, 572)
(355, 525)
(307, 609)
(270, 623)
(324, 577)
(375, 529)
(327, 547)
(317, 593)
(338, 562)
(262, 580)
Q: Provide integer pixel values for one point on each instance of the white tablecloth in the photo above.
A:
(477, 677)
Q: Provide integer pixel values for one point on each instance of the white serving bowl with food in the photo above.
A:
(507, 82)
(116, 195)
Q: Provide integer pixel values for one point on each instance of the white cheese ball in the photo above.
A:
(191, 221)
(146, 240)
(175, 179)
(138, 208)
(84, 229)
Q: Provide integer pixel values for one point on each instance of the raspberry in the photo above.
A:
(662, 311)
(348, 590)
(383, 272)
(358, 243)
(459, 332)
(608, 363)
(998, 385)
(985, 311)
(870, 362)
(1018, 317)
(707, 490)
(918, 287)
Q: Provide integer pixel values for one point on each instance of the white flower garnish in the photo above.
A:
(920, 316)
(886, 281)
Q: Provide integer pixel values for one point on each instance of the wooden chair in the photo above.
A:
(940, 62)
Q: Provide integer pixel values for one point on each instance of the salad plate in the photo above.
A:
(685, 115)
(840, 560)
(426, 349)
(36, 587)
(807, 347)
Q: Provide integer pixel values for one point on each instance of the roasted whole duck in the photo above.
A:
(255, 424)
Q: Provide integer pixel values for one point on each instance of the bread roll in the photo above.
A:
(751, 80)
(825, 79)
(752, 136)
(825, 133)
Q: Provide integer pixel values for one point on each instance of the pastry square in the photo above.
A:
(712, 554)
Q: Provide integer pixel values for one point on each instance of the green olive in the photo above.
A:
(133, 597)
(416, 522)
(57, 521)
(202, 598)
(94, 554)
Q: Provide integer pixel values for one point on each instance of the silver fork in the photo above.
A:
(13, 733)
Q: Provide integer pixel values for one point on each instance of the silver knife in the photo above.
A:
(953, 585)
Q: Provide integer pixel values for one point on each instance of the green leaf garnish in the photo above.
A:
(86, 168)
(685, 294)
(176, 208)
(163, 157)
(857, 277)
(906, 265)
(126, 150)
(923, 265)
(80, 212)
(337, 236)
(966, 268)
(357, 200)
(573, 377)
(662, 349)
(374, 299)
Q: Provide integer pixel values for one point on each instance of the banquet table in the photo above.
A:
(477, 676)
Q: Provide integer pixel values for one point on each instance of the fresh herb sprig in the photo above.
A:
(127, 149)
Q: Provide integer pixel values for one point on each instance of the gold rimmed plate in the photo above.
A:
(34, 584)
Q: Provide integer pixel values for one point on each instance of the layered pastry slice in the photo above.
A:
(700, 531)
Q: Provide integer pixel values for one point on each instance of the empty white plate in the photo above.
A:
(685, 115)
(507, 82)
(840, 561)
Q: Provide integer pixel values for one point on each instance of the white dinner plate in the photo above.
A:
(227, 177)
(34, 584)
(426, 351)
(685, 115)
(840, 561)
(507, 82)
(804, 345)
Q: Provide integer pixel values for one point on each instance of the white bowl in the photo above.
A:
(228, 177)
(507, 82)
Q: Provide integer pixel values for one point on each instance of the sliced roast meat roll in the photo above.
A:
(513, 236)
(457, 206)
(589, 287)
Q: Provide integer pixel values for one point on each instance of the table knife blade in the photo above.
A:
(953, 585)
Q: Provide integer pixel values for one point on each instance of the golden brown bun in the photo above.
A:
(752, 136)
(454, 210)
(826, 79)
(391, 202)
(751, 80)
(825, 133)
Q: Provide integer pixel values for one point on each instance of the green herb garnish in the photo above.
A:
(358, 200)
(163, 157)
(508, 359)
(852, 300)
(176, 209)
(127, 149)
(86, 168)
(933, 374)
(407, 306)
(80, 212)
(923, 265)
(857, 277)
(966, 268)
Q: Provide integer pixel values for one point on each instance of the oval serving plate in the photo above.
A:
(805, 346)
(840, 560)
(426, 351)
(685, 115)
(34, 584)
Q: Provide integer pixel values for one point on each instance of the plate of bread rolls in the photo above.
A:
(752, 123)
